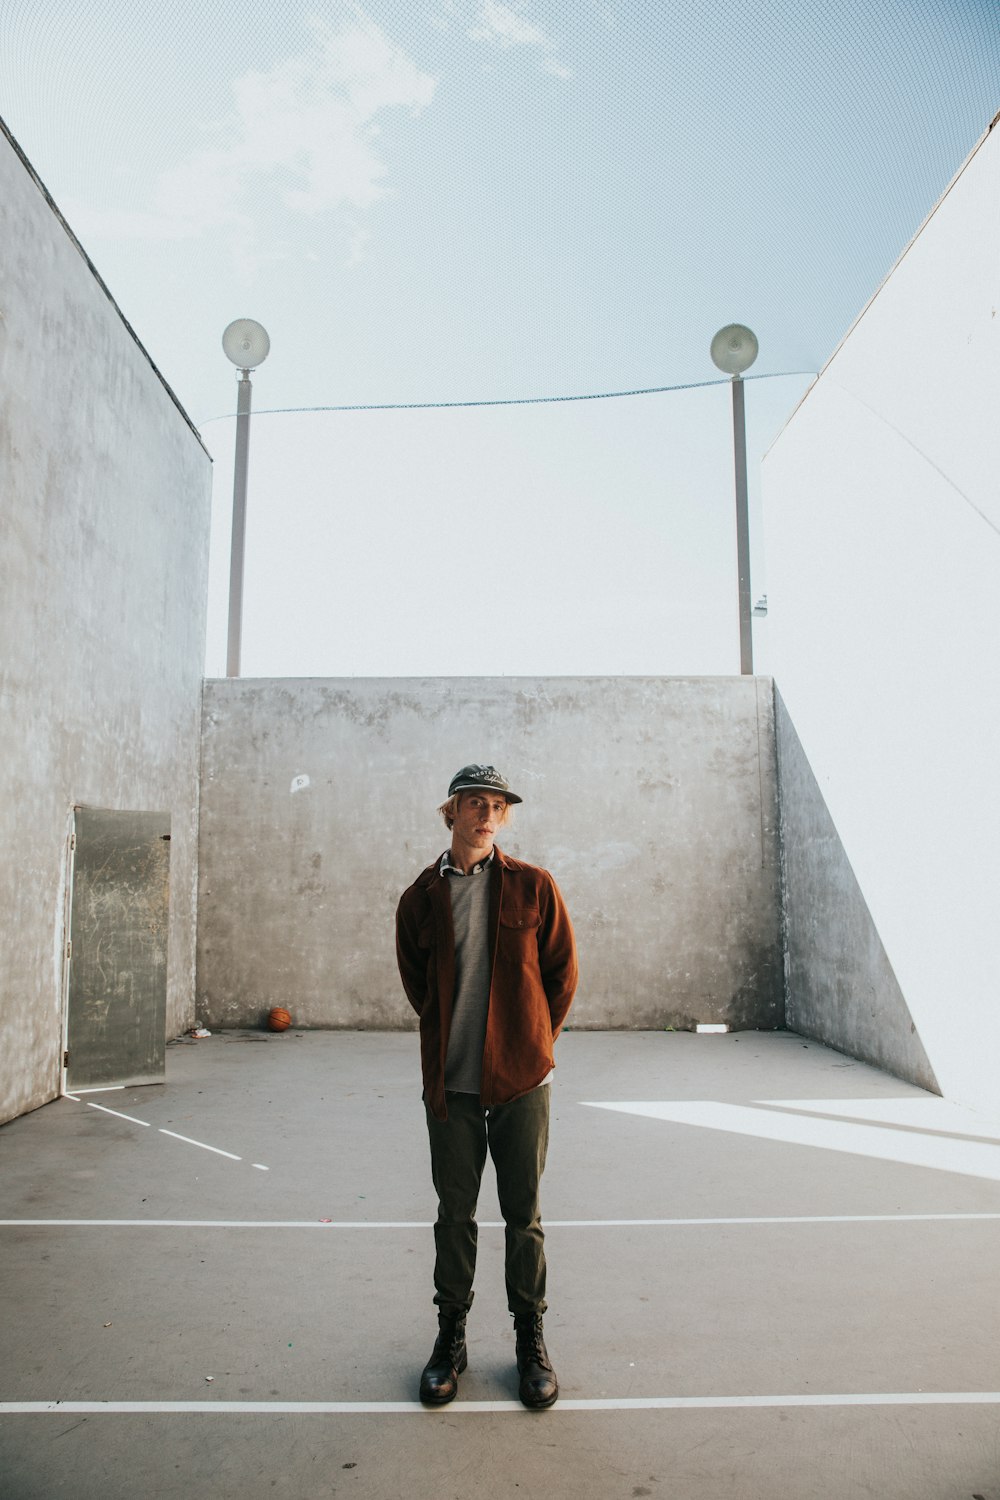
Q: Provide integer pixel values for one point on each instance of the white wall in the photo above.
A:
(104, 501)
(882, 511)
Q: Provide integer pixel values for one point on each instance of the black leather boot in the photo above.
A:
(439, 1380)
(539, 1386)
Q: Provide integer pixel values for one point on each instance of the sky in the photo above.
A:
(465, 201)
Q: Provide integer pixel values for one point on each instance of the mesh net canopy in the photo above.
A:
(469, 199)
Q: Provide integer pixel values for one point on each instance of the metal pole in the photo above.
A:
(742, 528)
(243, 390)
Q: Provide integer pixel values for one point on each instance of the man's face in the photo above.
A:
(477, 819)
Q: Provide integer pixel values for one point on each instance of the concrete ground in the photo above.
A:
(772, 1276)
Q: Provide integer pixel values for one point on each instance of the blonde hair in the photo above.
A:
(450, 808)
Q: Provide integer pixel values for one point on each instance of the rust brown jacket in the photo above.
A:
(533, 973)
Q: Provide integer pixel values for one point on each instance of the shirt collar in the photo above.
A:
(447, 868)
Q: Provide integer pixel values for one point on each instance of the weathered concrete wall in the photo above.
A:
(652, 801)
(882, 512)
(104, 490)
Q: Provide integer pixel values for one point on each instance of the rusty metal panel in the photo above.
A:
(116, 1021)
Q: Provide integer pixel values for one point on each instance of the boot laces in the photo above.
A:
(451, 1337)
(531, 1345)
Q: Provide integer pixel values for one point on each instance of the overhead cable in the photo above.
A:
(651, 390)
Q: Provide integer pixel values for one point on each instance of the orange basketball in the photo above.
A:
(278, 1019)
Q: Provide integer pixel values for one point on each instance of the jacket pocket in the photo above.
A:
(520, 919)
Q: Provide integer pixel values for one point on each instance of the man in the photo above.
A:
(488, 961)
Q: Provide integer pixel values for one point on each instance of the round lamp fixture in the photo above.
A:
(733, 350)
(246, 343)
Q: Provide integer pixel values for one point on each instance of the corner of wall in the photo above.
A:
(840, 985)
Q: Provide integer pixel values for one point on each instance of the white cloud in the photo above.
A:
(303, 137)
(359, 243)
(505, 27)
(499, 24)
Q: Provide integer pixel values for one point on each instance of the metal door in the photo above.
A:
(117, 988)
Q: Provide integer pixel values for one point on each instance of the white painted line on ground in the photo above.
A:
(763, 1219)
(220, 1224)
(203, 1145)
(910, 1148)
(496, 1223)
(470, 1408)
(116, 1112)
(189, 1142)
(108, 1088)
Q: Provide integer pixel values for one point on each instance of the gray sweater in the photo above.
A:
(470, 909)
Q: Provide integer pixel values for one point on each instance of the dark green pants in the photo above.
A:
(517, 1136)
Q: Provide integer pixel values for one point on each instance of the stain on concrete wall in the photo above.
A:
(652, 801)
(839, 983)
(104, 491)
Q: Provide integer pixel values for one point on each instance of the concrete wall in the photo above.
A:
(882, 510)
(104, 489)
(652, 801)
(840, 983)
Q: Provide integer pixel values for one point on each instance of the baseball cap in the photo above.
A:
(487, 778)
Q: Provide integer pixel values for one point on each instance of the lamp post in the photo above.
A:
(246, 343)
(734, 350)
